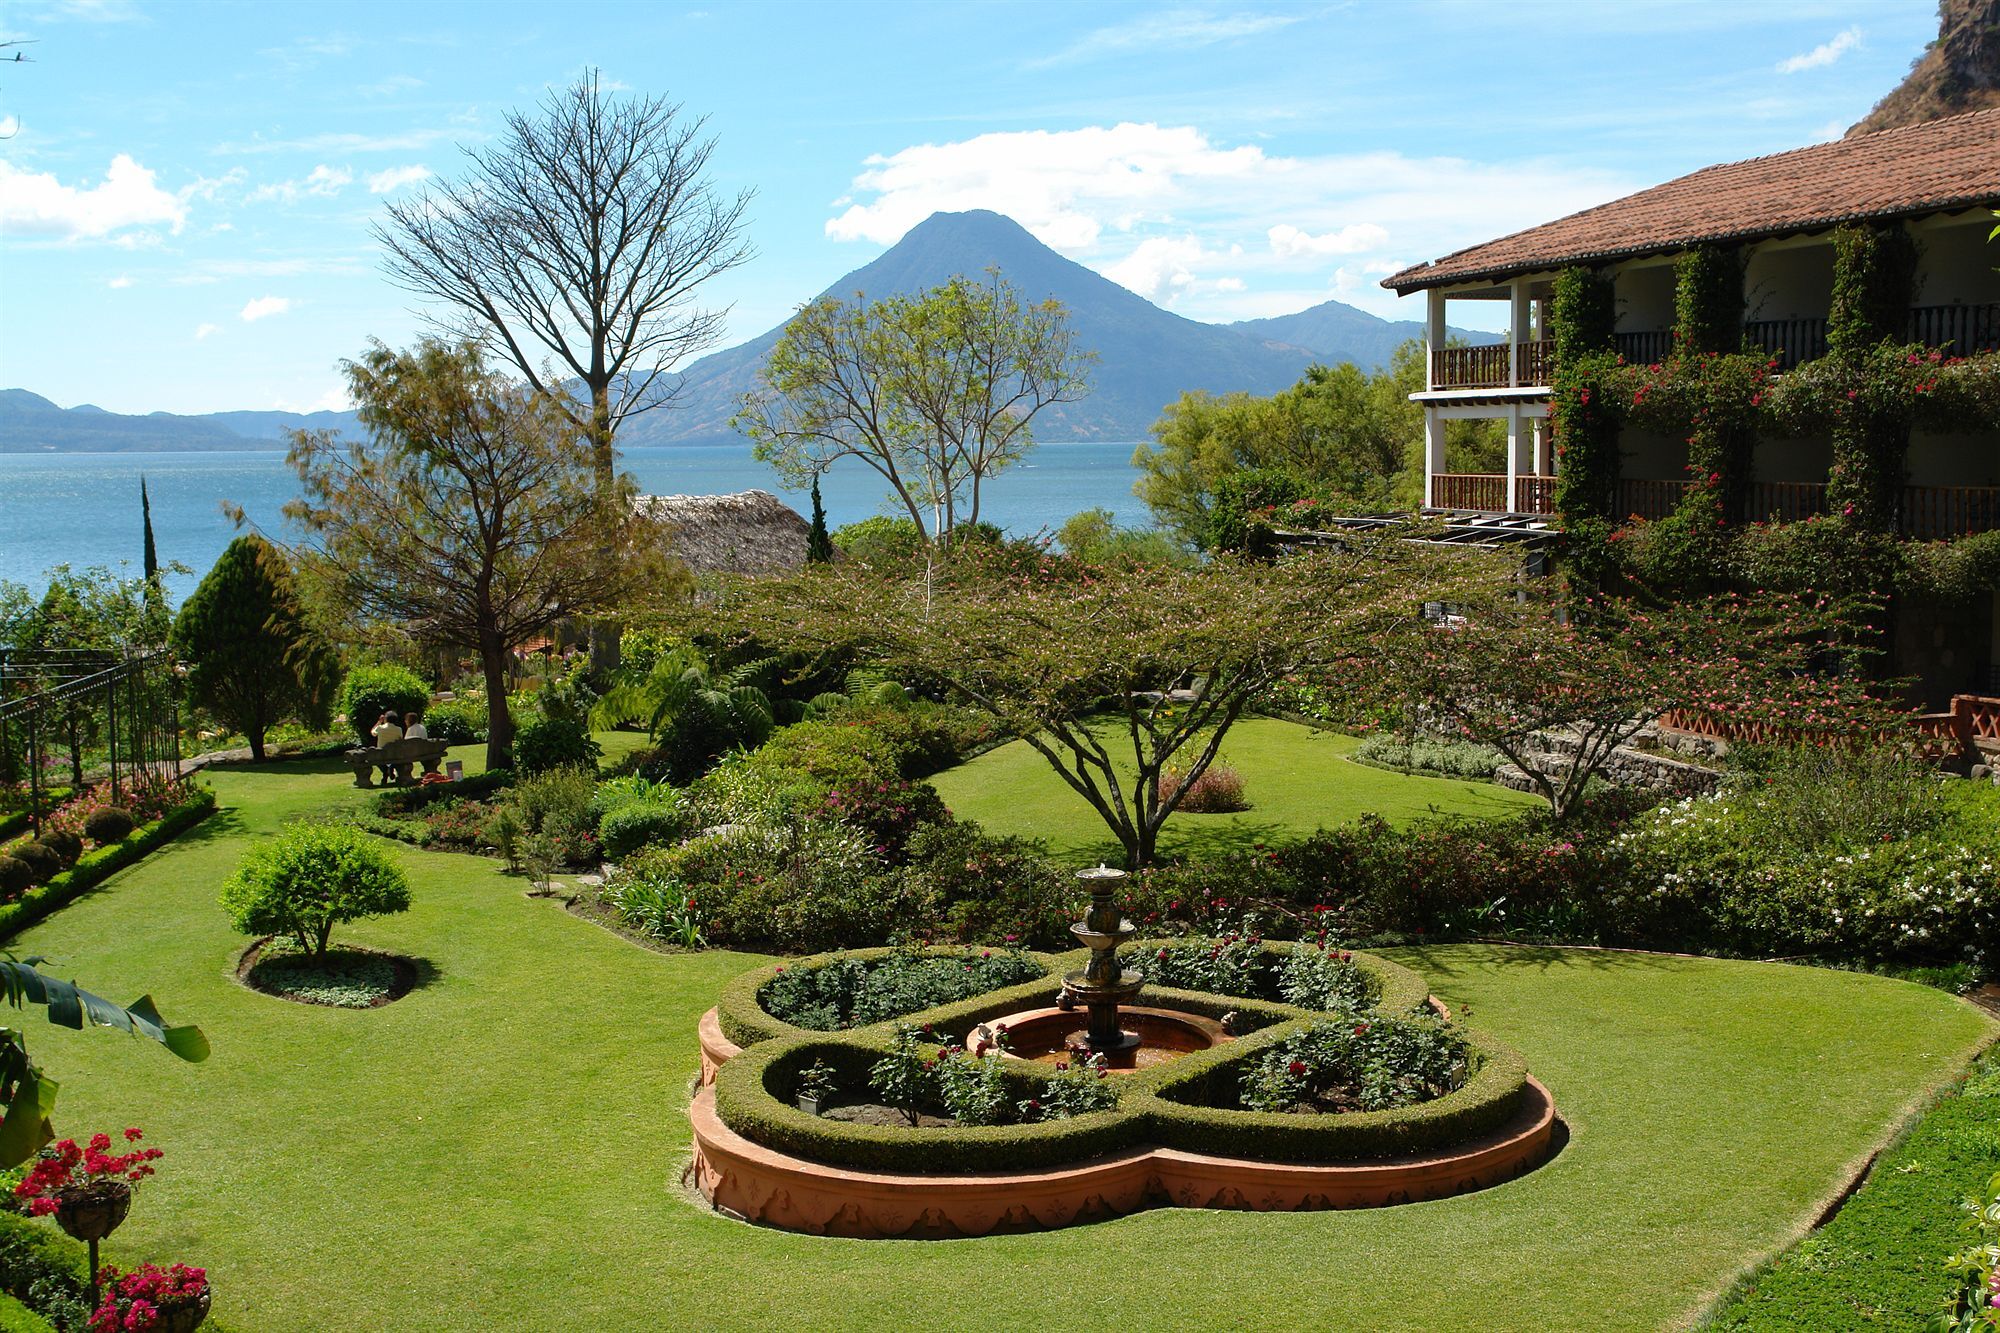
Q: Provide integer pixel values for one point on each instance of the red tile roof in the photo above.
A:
(1936, 166)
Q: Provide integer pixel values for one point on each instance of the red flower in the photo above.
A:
(1297, 1067)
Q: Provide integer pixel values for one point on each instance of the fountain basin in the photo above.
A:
(1045, 1036)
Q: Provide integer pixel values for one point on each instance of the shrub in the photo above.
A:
(889, 813)
(1372, 1063)
(850, 992)
(831, 753)
(1314, 976)
(559, 804)
(879, 538)
(310, 878)
(15, 876)
(457, 721)
(627, 828)
(992, 889)
(1218, 790)
(1427, 754)
(374, 688)
(1080, 1086)
(1231, 964)
(971, 1088)
(65, 844)
(554, 742)
(108, 824)
(43, 864)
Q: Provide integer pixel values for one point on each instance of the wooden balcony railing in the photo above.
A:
(1489, 366)
(1534, 495)
(1790, 341)
(1646, 347)
(1959, 330)
(1482, 491)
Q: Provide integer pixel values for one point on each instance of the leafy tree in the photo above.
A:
(582, 235)
(1094, 537)
(252, 659)
(371, 689)
(1112, 676)
(471, 514)
(311, 878)
(1511, 670)
(1338, 434)
(936, 392)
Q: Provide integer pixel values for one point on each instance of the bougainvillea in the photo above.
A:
(64, 1168)
(143, 1298)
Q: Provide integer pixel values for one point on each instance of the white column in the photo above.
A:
(1541, 448)
(1433, 451)
(1433, 334)
(1517, 455)
(1517, 329)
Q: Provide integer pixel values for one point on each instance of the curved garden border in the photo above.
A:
(760, 1158)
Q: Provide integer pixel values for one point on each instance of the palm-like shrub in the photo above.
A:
(696, 712)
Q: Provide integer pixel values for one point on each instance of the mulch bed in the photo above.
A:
(405, 978)
(874, 1113)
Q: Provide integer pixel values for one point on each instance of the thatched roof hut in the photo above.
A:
(752, 532)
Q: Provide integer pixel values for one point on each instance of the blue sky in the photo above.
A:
(186, 192)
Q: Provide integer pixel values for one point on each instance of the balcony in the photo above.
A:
(1490, 367)
(1928, 513)
(1958, 330)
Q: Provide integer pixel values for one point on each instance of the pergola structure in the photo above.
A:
(107, 718)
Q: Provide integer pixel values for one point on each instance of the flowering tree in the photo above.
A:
(1113, 676)
(1508, 669)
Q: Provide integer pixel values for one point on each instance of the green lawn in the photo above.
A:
(501, 1149)
(1296, 779)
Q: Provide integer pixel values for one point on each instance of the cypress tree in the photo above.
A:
(152, 556)
(819, 544)
(253, 660)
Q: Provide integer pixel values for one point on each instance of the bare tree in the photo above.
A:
(576, 246)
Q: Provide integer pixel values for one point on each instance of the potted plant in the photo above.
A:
(151, 1299)
(816, 1087)
(87, 1189)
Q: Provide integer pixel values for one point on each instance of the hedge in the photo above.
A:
(1164, 1105)
(14, 824)
(95, 866)
(37, 1251)
(744, 1020)
(1180, 1119)
(409, 800)
(753, 1092)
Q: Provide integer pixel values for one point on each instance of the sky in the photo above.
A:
(187, 189)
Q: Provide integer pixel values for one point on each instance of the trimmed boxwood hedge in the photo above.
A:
(1170, 1104)
(1181, 1118)
(745, 1021)
(96, 866)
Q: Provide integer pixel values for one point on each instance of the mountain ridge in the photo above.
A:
(1147, 356)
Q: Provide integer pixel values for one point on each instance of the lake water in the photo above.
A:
(83, 509)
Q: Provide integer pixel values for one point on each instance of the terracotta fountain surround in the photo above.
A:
(758, 1184)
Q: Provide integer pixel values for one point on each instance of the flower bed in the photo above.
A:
(1468, 1115)
(95, 866)
(348, 978)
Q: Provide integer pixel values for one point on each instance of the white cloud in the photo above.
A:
(1062, 185)
(203, 330)
(265, 306)
(389, 87)
(119, 283)
(9, 126)
(1178, 29)
(37, 204)
(1291, 243)
(322, 182)
(332, 400)
(408, 141)
(1822, 55)
(1174, 214)
(395, 178)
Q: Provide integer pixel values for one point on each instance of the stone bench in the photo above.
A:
(397, 760)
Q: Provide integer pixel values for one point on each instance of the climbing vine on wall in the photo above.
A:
(1583, 407)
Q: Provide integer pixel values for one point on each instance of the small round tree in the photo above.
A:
(311, 878)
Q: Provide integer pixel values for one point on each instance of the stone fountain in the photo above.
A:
(1103, 984)
(1123, 1034)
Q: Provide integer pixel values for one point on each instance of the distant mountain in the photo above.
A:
(30, 423)
(1958, 72)
(1147, 356)
(1334, 332)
